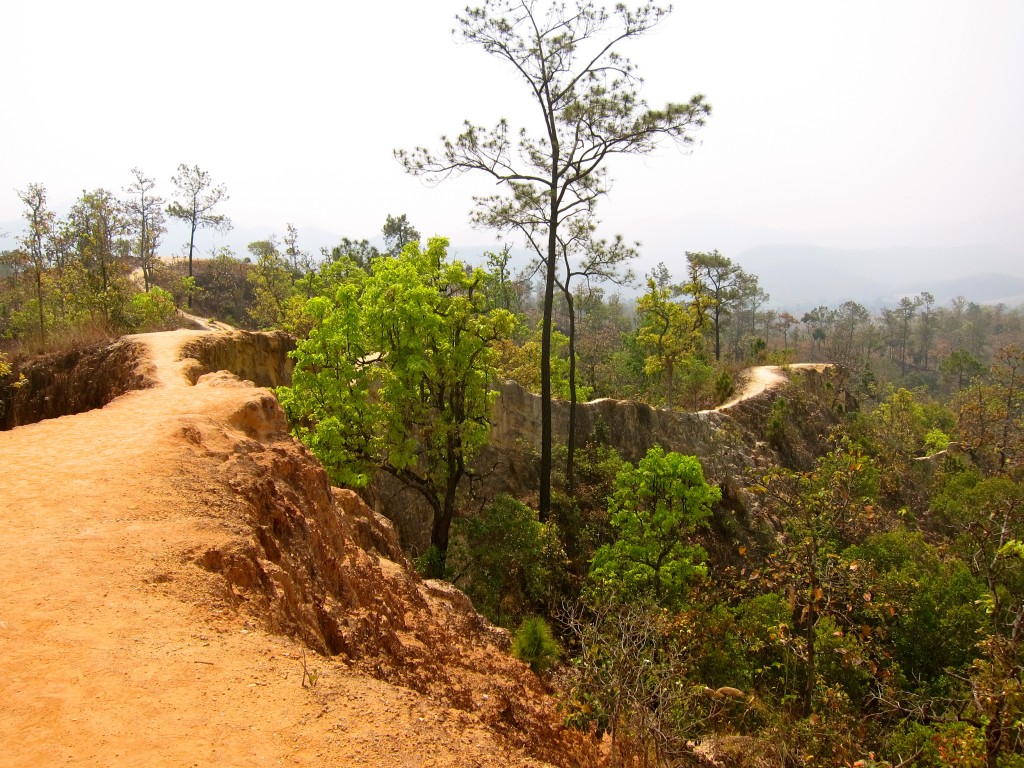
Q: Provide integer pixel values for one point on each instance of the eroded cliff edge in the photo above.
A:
(735, 444)
(147, 543)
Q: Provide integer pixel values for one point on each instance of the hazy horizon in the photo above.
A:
(872, 126)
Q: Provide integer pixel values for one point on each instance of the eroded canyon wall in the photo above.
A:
(71, 382)
(732, 443)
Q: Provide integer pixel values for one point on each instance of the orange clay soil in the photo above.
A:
(116, 649)
(762, 378)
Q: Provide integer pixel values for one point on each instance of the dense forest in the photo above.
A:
(877, 616)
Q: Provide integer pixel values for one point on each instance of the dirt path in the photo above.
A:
(205, 324)
(761, 378)
(117, 650)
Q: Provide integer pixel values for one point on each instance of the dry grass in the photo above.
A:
(740, 752)
(60, 341)
(87, 334)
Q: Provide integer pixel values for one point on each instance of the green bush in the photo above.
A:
(936, 629)
(775, 428)
(936, 440)
(937, 746)
(505, 560)
(723, 387)
(582, 519)
(655, 509)
(534, 644)
(151, 309)
(7, 387)
(430, 565)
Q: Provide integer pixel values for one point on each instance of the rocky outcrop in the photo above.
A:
(83, 379)
(259, 357)
(315, 562)
(732, 443)
(726, 440)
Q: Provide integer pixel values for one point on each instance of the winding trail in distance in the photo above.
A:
(763, 378)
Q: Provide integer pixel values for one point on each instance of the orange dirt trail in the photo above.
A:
(761, 378)
(117, 650)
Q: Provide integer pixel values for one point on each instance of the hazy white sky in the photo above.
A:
(867, 123)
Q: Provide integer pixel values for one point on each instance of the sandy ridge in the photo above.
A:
(117, 650)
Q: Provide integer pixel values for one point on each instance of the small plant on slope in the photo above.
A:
(534, 644)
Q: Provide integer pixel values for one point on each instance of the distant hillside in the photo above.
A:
(802, 276)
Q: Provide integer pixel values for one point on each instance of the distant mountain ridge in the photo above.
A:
(803, 276)
(797, 275)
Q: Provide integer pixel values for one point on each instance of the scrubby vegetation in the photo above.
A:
(881, 620)
(877, 616)
(878, 622)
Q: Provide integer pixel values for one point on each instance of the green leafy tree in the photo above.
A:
(985, 516)
(357, 253)
(272, 282)
(934, 633)
(66, 270)
(783, 323)
(900, 323)
(991, 415)
(715, 282)
(962, 366)
(588, 259)
(822, 512)
(519, 360)
(655, 506)
(13, 271)
(605, 326)
(895, 433)
(669, 333)
(227, 293)
(819, 322)
(500, 558)
(927, 324)
(851, 319)
(696, 381)
(398, 232)
(299, 261)
(98, 226)
(589, 110)
(749, 297)
(395, 376)
(502, 288)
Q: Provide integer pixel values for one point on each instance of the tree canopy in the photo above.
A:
(588, 110)
(655, 506)
(197, 197)
(396, 376)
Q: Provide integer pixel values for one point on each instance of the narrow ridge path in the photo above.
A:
(117, 650)
(762, 378)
